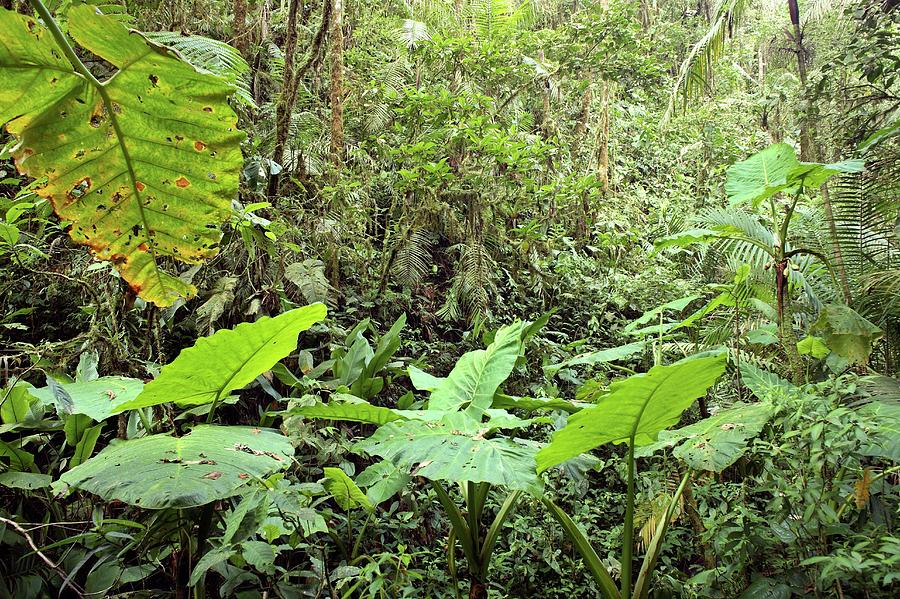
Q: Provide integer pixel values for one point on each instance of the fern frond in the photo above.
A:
(211, 56)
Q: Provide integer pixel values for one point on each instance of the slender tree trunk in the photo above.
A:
(337, 82)
(603, 139)
(286, 102)
(239, 27)
(584, 116)
(808, 150)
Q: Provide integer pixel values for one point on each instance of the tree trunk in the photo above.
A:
(286, 102)
(808, 150)
(477, 590)
(603, 139)
(239, 27)
(337, 83)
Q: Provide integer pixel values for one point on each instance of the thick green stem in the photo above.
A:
(628, 541)
(67, 49)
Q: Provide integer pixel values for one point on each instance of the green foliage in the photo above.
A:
(140, 189)
(160, 471)
(714, 443)
(635, 409)
(230, 359)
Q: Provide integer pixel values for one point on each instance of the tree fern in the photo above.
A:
(211, 56)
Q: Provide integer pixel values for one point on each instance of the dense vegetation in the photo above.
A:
(421, 298)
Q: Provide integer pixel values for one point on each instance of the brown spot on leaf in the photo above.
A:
(207, 109)
(143, 247)
(199, 146)
(96, 120)
(243, 475)
(214, 475)
(140, 186)
(154, 80)
(255, 431)
(182, 182)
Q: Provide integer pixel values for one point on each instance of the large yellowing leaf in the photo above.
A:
(144, 165)
(637, 407)
(228, 360)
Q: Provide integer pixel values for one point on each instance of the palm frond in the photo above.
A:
(695, 69)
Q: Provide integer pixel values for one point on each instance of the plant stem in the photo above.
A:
(628, 541)
(63, 43)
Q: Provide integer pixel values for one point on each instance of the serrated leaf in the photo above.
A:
(160, 471)
(145, 165)
(639, 406)
(228, 360)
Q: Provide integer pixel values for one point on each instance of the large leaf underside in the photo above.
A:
(146, 168)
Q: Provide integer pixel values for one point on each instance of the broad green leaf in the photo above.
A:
(344, 491)
(813, 346)
(600, 357)
(211, 558)
(762, 175)
(244, 520)
(160, 471)
(99, 398)
(85, 446)
(676, 305)
(477, 375)
(75, 426)
(341, 408)
(764, 384)
(689, 237)
(884, 437)
(228, 360)
(814, 174)
(422, 381)
(639, 406)
(530, 404)
(16, 457)
(382, 480)
(767, 588)
(847, 333)
(348, 412)
(714, 443)
(145, 165)
(16, 406)
(455, 449)
(25, 480)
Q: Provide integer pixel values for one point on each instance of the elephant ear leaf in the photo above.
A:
(717, 442)
(228, 360)
(638, 408)
(161, 471)
(144, 165)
